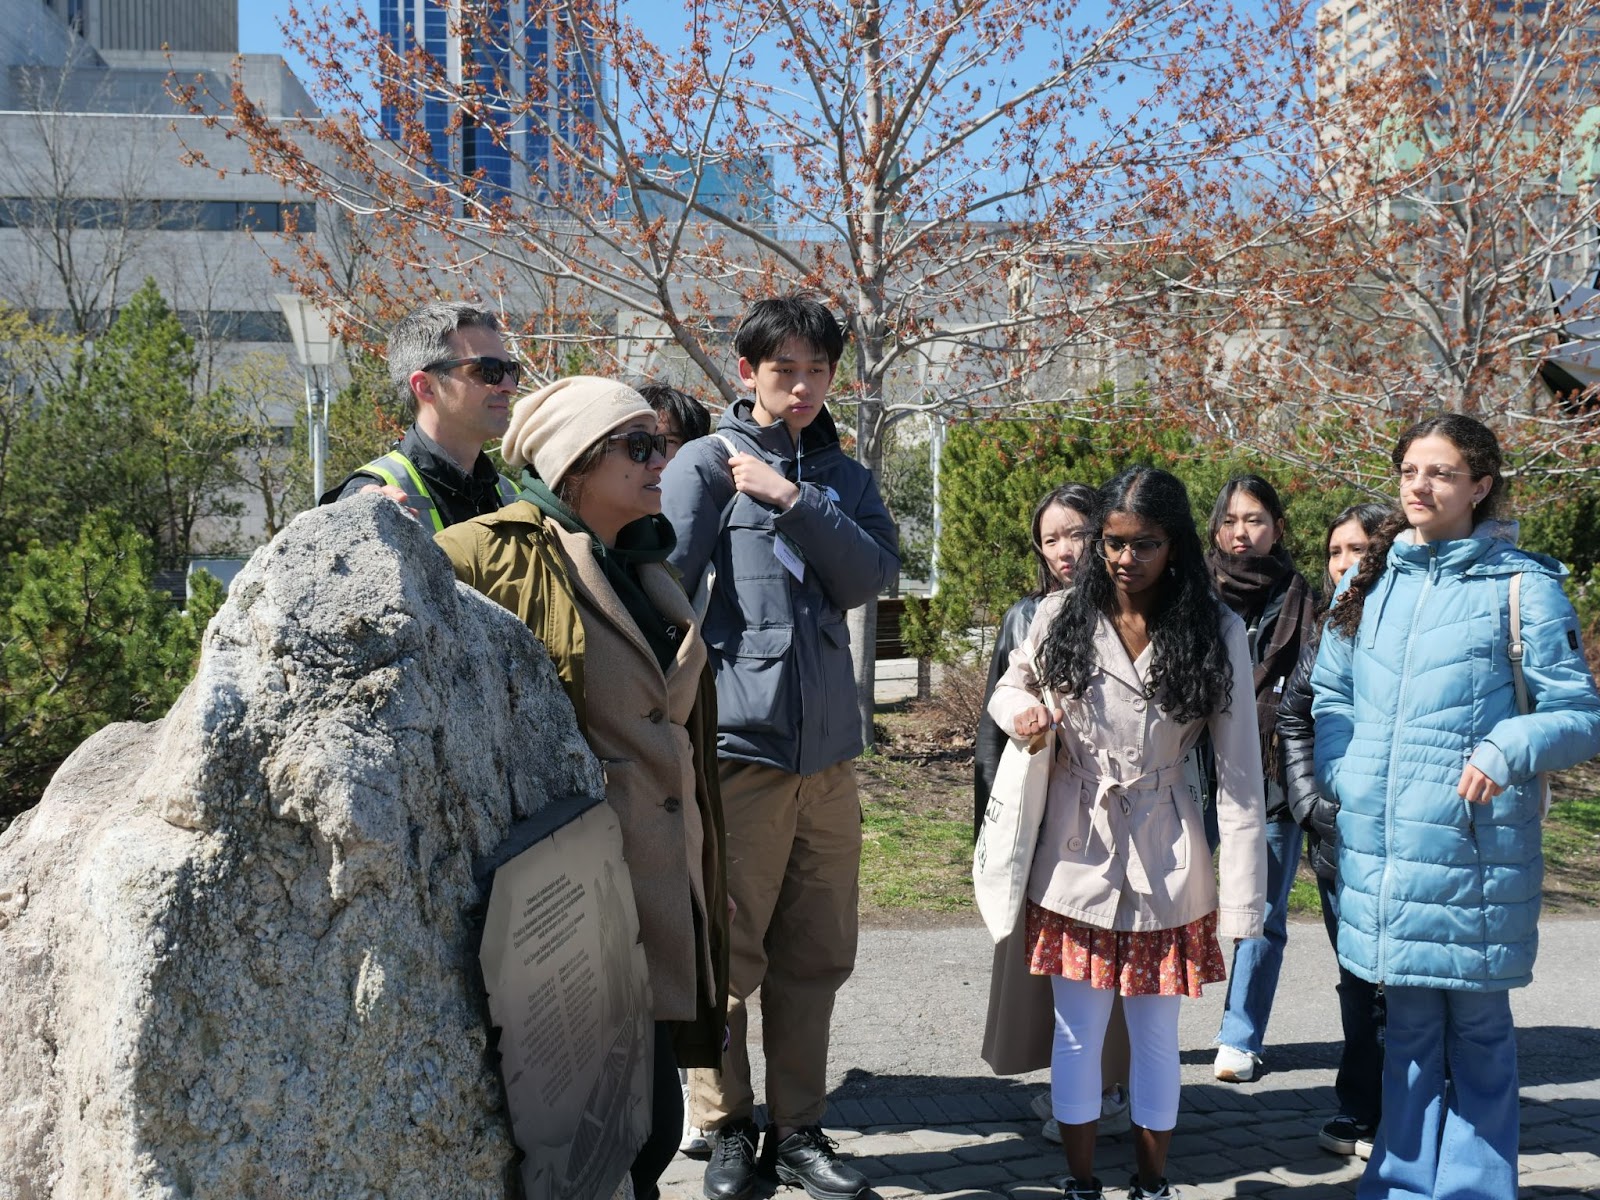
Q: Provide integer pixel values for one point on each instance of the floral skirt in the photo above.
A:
(1156, 962)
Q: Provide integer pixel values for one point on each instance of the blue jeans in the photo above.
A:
(1359, 1084)
(1257, 961)
(1444, 1140)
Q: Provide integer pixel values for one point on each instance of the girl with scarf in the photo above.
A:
(581, 558)
(1256, 578)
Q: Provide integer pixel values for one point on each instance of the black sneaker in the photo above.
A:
(1346, 1136)
(807, 1157)
(731, 1173)
(1080, 1189)
(1162, 1191)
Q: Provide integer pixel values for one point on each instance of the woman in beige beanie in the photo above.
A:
(581, 560)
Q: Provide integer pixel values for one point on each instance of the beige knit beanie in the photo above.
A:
(552, 427)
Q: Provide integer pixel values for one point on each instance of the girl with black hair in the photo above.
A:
(1433, 757)
(1358, 1085)
(1256, 578)
(1061, 531)
(1131, 665)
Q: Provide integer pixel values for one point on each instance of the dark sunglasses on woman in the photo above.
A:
(641, 444)
(490, 369)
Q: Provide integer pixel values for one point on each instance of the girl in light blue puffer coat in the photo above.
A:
(1420, 739)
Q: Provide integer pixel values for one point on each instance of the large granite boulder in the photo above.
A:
(237, 945)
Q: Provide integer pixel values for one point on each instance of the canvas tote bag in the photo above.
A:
(1004, 853)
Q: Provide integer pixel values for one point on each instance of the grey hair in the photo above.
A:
(423, 337)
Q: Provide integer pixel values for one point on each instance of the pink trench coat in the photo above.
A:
(1123, 844)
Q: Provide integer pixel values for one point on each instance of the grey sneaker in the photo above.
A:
(1114, 1115)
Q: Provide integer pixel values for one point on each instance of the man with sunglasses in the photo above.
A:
(450, 368)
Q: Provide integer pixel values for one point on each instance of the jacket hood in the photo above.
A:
(821, 434)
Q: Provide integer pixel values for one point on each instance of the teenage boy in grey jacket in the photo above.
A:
(795, 533)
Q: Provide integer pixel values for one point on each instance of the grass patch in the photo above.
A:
(916, 836)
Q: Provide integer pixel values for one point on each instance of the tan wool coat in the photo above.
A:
(1123, 842)
(648, 728)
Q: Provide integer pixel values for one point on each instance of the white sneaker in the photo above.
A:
(1235, 1066)
(1114, 1115)
(694, 1141)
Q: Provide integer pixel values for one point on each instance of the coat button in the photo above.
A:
(671, 804)
(1075, 843)
(1138, 704)
(1131, 754)
(657, 716)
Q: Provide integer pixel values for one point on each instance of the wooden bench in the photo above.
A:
(890, 644)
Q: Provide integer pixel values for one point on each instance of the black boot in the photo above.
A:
(807, 1157)
(731, 1173)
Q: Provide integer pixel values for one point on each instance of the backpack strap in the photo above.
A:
(1514, 649)
(1520, 682)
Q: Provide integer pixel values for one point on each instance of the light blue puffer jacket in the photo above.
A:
(1434, 892)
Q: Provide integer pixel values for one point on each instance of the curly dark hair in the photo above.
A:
(1481, 450)
(1369, 515)
(1191, 674)
(1079, 497)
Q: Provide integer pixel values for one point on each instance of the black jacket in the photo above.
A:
(1315, 812)
(990, 742)
(459, 496)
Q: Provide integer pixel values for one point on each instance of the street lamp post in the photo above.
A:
(314, 346)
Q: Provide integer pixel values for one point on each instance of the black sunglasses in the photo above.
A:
(490, 369)
(641, 444)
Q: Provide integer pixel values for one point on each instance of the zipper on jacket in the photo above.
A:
(1394, 755)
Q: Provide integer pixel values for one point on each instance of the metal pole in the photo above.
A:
(319, 432)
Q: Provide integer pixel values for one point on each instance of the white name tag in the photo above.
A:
(789, 555)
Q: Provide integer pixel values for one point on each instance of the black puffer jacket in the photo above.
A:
(1315, 812)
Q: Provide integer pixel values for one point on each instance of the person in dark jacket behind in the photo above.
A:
(1061, 533)
(1432, 736)
(1359, 1083)
(1256, 578)
(451, 370)
(797, 535)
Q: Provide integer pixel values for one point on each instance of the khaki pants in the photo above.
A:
(794, 858)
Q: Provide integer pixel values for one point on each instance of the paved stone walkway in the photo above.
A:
(920, 1114)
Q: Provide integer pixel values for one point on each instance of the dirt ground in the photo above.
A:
(917, 805)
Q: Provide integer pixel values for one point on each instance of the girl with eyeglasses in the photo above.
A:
(1131, 666)
(1434, 764)
(1016, 1034)
(581, 558)
(1256, 578)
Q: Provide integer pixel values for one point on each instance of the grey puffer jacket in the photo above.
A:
(779, 645)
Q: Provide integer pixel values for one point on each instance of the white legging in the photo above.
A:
(1081, 1015)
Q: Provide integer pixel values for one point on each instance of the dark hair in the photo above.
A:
(691, 417)
(423, 336)
(1254, 486)
(1079, 497)
(1369, 515)
(1477, 444)
(1191, 674)
(770, 323)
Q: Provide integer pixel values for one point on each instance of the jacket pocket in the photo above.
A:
(752, 673)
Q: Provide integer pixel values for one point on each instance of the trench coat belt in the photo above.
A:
(1110, 818)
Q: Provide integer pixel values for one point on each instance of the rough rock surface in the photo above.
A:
(237, 952)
